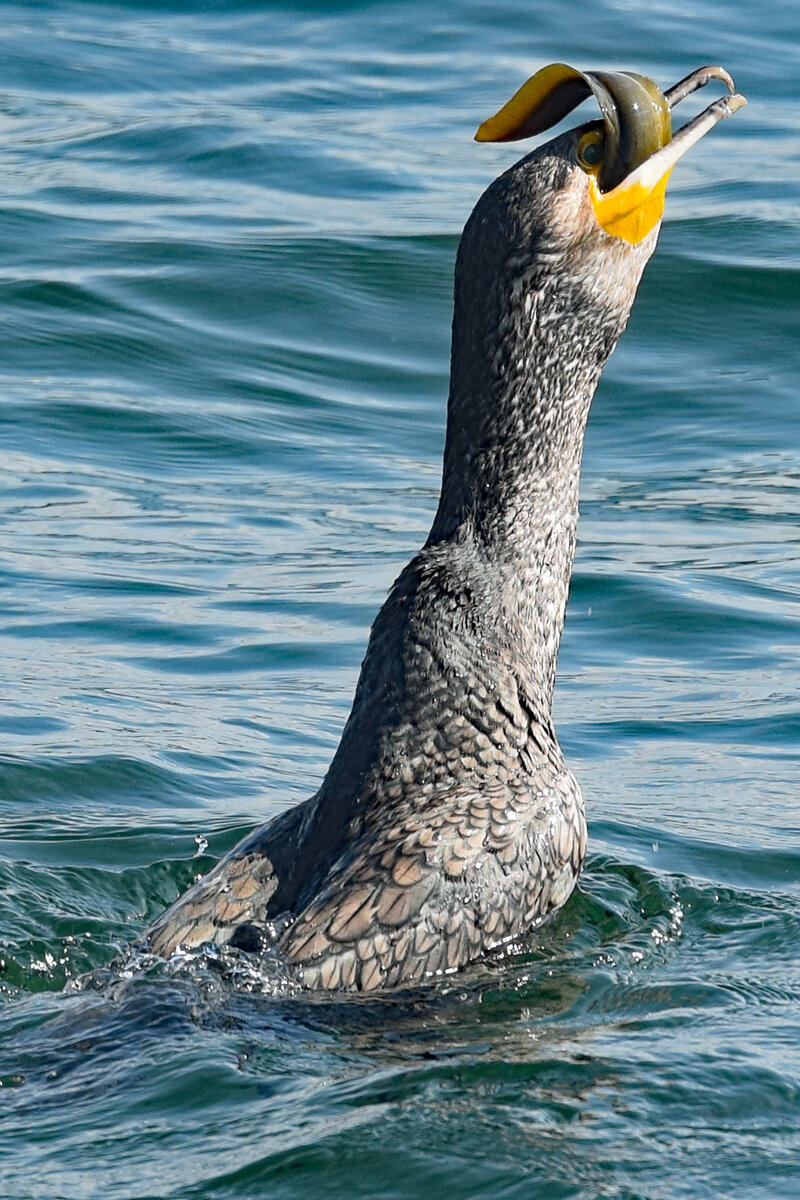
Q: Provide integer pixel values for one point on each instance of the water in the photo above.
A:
(225, 270)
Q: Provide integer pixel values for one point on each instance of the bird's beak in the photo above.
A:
(628, 184)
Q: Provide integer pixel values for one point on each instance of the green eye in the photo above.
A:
(590, 150)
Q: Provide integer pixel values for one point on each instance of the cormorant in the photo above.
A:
(448, 822)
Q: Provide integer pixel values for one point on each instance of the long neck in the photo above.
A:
(477, 615)
(525, 365)
(468, 637)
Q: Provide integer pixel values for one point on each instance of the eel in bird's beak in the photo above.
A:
(629, 155)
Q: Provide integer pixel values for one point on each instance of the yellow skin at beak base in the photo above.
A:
(632, 105)
(629, 212)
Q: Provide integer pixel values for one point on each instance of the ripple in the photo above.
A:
(227, 254)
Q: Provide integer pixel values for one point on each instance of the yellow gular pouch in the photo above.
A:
(634, 137)
(629, 212)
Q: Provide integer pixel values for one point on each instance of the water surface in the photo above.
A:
(225, 277)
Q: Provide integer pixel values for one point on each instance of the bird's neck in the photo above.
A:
(526, 360)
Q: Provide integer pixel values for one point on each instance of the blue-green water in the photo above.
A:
(225, 268)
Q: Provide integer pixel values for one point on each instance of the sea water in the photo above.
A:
(226, 254)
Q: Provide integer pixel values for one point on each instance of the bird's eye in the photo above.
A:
(590, 151)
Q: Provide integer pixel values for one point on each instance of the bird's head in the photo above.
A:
(548, 267)
(556, 245)
(621, 163)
